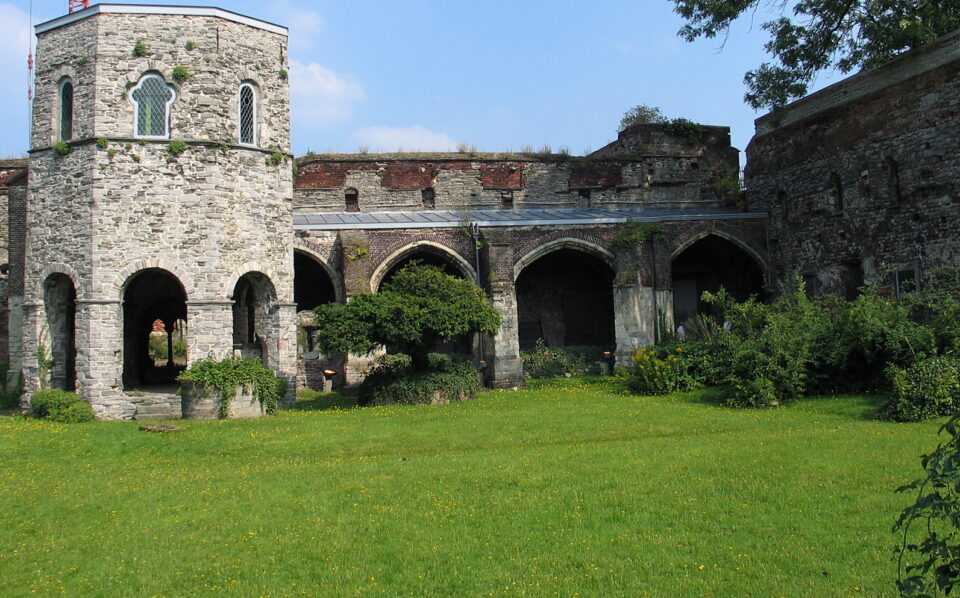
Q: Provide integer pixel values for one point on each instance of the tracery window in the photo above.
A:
(248, 115)
(66, 110)
(152, 98)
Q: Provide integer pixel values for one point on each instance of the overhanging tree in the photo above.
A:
(419, 307)
(811, 36)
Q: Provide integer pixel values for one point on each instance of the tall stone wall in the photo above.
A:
(206, 208)
(864, 172)
(647, 167)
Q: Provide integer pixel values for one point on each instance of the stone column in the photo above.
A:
(99, 342)
(15, 332)
(506, 367)
(284, 361)
(32, 331)
(209, 330)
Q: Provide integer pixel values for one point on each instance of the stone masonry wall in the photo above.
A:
(645, 167)
(117, 205)
(864, 172)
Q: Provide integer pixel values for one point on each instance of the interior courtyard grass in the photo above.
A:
(568, 488)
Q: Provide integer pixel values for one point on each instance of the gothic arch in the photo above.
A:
(397, 256)
(335, 276)
(706, 232)
(563, 243)
(125, 275)
(230, 281)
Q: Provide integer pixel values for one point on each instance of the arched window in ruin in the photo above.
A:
(150, 295)
(351, 200)
(565, 298)
(312, 285)
(255, 321)
(58, 355)
(429, 198)
(66, 110)
(152, 98)
(706, 265)
(247, 111)
(836, 186)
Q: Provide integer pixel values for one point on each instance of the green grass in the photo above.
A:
(570, 488)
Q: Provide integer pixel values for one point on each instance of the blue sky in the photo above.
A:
(500, 75)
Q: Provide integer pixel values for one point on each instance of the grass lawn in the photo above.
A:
(569, 488)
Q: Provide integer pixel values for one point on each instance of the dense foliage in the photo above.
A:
(936, 512)
(767, 354)
(821, 35)
(418, 308)
(393, 380)
(549, 362)
(229, 374)
(60, 406)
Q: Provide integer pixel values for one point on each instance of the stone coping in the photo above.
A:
(156, 9)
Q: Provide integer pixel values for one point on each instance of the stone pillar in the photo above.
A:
(99, 342)
(32, 337)
(633, 320)
(507, 367)
(15, 331)
(284, 354)
(209, 330)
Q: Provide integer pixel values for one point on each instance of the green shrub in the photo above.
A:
(229, 374)
(61, 148)
(60, 406)
(140, 49)
(928, 388)
(394, 381)
(176, 147)
(180, 73)
(551, 362)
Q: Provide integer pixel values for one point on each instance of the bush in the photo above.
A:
(661, 371)
(551, 362)
(229, 374)
(928, 388)
(394, 381)
(60, 406)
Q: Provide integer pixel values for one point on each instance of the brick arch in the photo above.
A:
(394, 258)
(683, 243)
(564, 243)
(339, 290)
(124, 276)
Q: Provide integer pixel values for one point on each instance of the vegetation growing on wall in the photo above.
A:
(229, 374)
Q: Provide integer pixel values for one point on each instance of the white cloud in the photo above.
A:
(320, 96)
(415, 138)
(304, 24)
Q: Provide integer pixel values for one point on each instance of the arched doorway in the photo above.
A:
(312, 285)
(254, 321)
(565, 298)
(706, 265)
(60, 357)
(151, 295)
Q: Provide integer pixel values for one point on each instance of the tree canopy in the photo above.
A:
(420, 306)
(810, 36)
(641, 114)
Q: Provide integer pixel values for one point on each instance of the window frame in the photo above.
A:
(253, 116)
(167, 111)
(60, 120)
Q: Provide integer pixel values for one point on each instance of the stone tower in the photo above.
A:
(160, 200)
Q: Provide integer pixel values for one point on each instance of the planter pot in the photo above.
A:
(204, 403)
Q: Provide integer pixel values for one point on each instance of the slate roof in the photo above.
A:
(520, 217)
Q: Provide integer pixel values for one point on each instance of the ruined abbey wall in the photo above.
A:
(862, 176)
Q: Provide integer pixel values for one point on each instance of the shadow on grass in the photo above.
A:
(316, 400)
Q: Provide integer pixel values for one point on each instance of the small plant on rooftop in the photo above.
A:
(61, 148)
(275, 159)
(102, 142)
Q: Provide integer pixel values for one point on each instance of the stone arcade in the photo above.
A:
(160, 204)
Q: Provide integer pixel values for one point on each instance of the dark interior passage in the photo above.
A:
(312, 286)
(566, 299)
(427, 257)
(151, 295)
(707, 265)
(60, 357)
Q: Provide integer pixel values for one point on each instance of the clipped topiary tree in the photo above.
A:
(419, 307)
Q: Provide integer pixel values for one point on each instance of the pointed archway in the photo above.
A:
(150, 295)
(706, 265)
